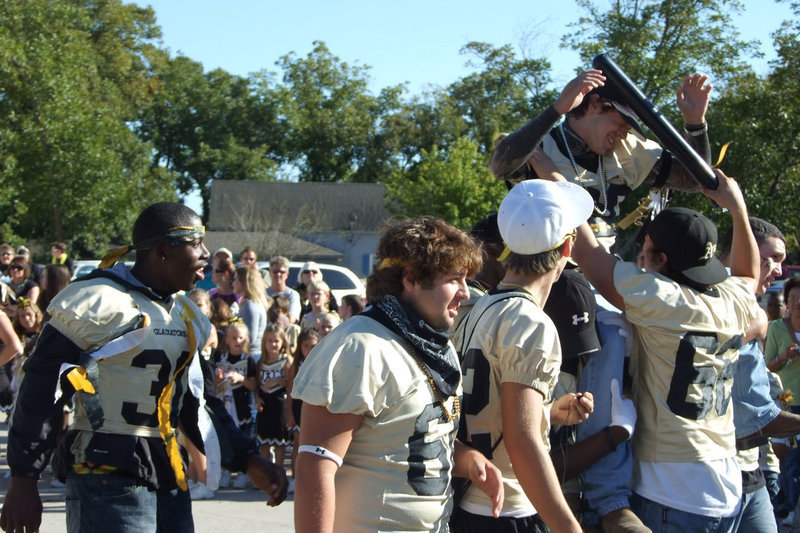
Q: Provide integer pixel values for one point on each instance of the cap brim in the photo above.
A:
(711, 273)
(630, 117)
(581, 202)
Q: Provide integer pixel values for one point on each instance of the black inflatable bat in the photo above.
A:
(656, 121)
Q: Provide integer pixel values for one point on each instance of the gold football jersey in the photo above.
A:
(128, 383)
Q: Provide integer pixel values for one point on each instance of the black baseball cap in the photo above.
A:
(611, 93)
(689, 240)
(573, 309)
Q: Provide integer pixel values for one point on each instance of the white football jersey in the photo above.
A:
(397, 471)
(512, 341)
(685, 345)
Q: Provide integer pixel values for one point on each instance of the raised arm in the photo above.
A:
(597, 265)
(744, 250)
(692, 98)
(515, 150)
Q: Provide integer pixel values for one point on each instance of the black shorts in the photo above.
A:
(463, 522)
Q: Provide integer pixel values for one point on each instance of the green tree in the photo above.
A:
(507, 92)
(658, 42)
(73, 75)
(329, 113)
(208, 126)
(453, 184)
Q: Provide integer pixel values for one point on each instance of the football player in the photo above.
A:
(122, 341)
(381, 396)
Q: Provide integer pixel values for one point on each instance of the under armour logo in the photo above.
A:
(710, 249)
(584, 318)
(321, 451)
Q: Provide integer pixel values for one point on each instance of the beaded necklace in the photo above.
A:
(456, 402)
(601, 171)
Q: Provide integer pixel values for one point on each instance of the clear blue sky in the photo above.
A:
(412, 41)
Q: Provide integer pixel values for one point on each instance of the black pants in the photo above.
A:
(463, 522)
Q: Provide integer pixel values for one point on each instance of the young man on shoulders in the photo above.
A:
(689, 317)
(511, 359)
(380, 396)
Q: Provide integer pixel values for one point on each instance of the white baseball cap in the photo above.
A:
(224, 251)
(537, 215)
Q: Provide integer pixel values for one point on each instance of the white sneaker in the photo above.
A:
(789, 520)
(225, 479)
(241, 481)
(200, 491)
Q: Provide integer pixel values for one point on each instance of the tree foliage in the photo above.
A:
(72, 77)
(659, 42)
(453, 184)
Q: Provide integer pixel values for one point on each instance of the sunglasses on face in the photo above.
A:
(310, 271)
(8, 253)
(279, 272)
(16, 267)
(219, 271)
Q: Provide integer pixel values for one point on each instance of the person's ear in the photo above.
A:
(566, 250)
(160, 249)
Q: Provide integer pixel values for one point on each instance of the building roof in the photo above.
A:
(269, 243)
(296, 208)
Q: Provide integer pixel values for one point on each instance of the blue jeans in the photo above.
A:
(98, 503)
(606, 482)
(663, 519)
(755, 514)
(753, 406)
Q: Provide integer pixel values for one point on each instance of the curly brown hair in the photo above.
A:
(425, 245)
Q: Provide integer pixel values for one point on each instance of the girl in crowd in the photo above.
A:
(305, 342)
(203, 301)
(271, 396)
(279, 314)
(221, 315)
(236, 381)
(248, 283)
(223, 277)
(203, 485)
(318, 296)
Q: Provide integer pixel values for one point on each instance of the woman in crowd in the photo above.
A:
(21, 283)
(54, 279)
(248, 283)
